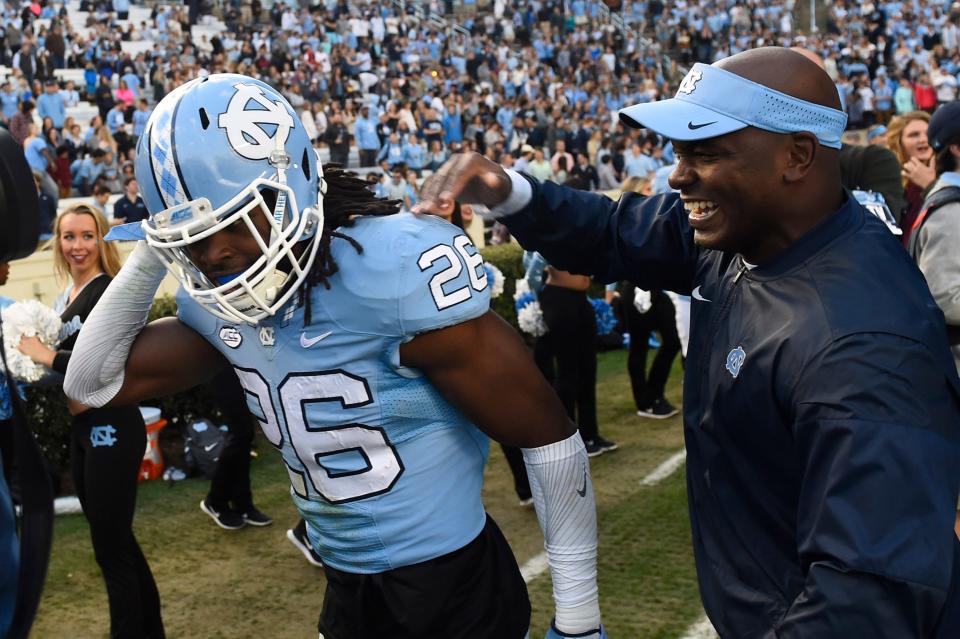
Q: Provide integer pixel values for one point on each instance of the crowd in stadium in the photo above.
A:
(395, 91)
(537, 84)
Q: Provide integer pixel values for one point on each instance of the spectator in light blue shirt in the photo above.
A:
(415, 154)
(452, 125)
(37, 152)
(504, 118)
(9, 102)
(50, 104)
(392, 151)
(115, 119)
(132, 80)
(140, 117)
(365, 133)
(635, 162)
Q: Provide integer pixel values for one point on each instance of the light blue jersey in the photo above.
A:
(385, 472)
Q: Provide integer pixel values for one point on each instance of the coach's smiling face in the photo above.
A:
(730, 186)
(753, 191)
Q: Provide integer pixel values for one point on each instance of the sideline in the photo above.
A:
(702, 629)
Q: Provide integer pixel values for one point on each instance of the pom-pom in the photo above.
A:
(495, 277)
(642, 300)
(606, 320)
(28, 318)
(530, 319)
(529, 315)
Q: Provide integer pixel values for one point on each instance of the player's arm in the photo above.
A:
(482, 367)
(167, 357)
(118, 361)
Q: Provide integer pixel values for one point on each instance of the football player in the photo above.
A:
(365, 344)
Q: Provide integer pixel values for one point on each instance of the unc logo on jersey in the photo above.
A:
(267, 336)
(735, 360)
(254, 132)
(231, 336)
(102, 436)
(689, 83)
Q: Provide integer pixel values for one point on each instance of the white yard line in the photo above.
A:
(702, 629)
(534, 567)
(665, 469)
(537, 565)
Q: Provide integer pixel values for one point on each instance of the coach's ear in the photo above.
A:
(19, 206)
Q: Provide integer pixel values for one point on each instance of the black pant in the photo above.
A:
(339, 155)
(661, 318)
(475, 592)
(230, 486)
(106, 449)
(521, 483)
(573, 333)
(368, 157)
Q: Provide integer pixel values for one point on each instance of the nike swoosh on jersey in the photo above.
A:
(307, 342)
(583, 491)
(697, 296)
(694, 127)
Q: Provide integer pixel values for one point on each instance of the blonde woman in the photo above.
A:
(103, 139)
(907, 138)
(106, 444)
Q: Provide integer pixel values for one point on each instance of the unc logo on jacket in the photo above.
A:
(364, 439)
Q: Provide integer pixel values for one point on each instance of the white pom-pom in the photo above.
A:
(28, 318)
(496, 277)
(641, 300)
(530, 320)
(521, 287)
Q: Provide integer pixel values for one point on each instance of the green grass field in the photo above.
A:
(253, 583)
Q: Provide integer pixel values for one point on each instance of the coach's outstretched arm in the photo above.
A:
(645, 240)
(118, 361)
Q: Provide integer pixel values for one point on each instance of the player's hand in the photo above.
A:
(598, 633)
(32, 347)
(921, 173)
(467, 178)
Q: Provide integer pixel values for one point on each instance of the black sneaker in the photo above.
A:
(593, 449)
(256, 517)
(660, 409)
(298, 537)
(225, 518)
(526, 502)
(605, 445)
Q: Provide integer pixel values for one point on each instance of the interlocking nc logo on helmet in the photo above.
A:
(245, 127)
(690, 82)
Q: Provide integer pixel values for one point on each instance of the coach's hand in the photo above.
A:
(468, 178)
(553, 633)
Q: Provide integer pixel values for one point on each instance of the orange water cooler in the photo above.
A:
(152, 465)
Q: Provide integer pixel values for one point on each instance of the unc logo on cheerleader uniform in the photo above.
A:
(735, 359)
(103, 436)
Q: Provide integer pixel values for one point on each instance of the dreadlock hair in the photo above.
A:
(347, 196)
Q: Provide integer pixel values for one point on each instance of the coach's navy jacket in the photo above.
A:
(821, 415)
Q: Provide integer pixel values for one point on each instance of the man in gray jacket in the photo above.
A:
(935, 241)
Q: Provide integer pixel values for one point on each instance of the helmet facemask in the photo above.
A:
(267, 284)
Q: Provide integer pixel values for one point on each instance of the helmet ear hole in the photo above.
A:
(305, 164)
(204, 119)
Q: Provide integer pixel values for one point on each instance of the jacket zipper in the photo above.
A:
(714, 329)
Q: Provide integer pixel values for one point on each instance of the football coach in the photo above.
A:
(821, 404)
